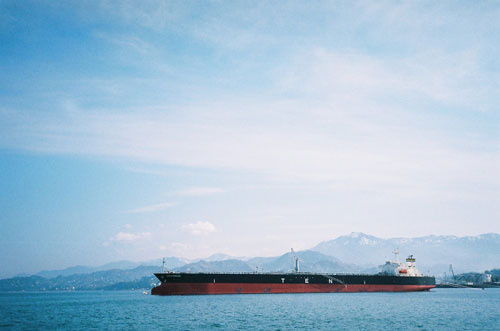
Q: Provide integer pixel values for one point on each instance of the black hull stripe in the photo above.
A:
(290, 278)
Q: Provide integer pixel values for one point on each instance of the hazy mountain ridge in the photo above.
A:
(219, 257)
(350, 253)
(433, 253)
(362, 252)
(94, 281)
(142, 276)
(173, 262)
(310, 261)
(231, 265)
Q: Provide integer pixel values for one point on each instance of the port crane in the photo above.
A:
(452, 272)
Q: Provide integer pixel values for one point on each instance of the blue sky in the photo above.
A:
(139, 129)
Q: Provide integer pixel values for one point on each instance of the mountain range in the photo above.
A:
(173, 262)
(434, 254)
(353, 253)
(310, 261)
(99, 280)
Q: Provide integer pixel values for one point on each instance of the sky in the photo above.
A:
(132, 130)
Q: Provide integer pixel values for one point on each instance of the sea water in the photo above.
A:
(439, 309)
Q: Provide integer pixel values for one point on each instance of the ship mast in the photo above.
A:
(297, 269)
(163, 266)
(396, 252)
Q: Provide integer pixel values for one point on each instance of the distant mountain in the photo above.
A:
(310, 261)
(220, 257)
(357, 252)
(216, 266)
(142, 276)
(171, 262)
(79, 269)
(258, 262)
(78, 282)
(433, 253)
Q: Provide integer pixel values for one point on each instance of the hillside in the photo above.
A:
(173, 262)
(231, 265)
(78, 282)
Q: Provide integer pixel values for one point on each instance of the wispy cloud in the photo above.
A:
(152, 208)
(351, 116)
(199, 228)
(351, 140)
(200, 191)
(130, 237)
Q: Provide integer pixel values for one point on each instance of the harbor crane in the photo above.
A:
(452, 272)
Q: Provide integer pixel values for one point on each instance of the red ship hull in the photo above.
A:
(256, 288)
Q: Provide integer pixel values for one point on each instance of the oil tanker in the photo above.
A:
(393, 277)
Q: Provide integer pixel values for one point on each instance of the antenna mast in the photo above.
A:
(396, 252)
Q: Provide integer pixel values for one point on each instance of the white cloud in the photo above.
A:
(180, 246)
(199, 228)
(353, 79)
(130, 237)
(152, 208)
(200, 191)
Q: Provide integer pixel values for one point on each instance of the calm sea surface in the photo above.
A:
(440, 309)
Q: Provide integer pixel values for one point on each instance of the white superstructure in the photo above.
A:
(406, 269)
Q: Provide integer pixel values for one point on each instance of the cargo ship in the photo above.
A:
(393, 277)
